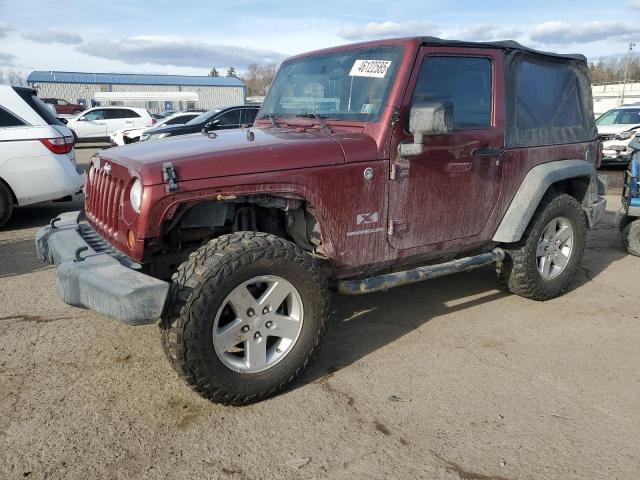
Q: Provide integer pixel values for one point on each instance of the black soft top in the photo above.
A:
(548, 95)
(503, 45)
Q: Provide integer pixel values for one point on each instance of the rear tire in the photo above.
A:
(6, 204)
(631, 237)
(215, 329)
(529, 268)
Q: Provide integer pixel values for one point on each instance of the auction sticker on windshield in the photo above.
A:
(370, 68)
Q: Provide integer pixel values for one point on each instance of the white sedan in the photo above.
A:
(130, 135)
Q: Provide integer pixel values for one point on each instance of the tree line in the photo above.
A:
(611, 69)
(257, 78)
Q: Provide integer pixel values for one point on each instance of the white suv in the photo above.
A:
(37, 160)
(99, 123)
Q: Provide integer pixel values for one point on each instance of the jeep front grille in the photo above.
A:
(102, 207)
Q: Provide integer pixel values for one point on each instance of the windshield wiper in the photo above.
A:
(270, 117)
(319, 118)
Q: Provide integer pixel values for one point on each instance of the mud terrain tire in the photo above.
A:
(202, 291)
(519, 270)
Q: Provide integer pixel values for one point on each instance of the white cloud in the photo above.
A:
(388, 29)
(5, 28)
(556, 33)
(634, 4)
(177, 51)
(7, 60)
(53, 35)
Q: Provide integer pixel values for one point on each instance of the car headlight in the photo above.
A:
(625, 135)
(135, 195)
(158, 136)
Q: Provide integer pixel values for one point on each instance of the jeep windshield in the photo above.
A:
(346, 85)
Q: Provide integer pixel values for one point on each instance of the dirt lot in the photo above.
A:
(449, 379)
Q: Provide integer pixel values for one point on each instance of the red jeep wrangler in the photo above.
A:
(370, 166)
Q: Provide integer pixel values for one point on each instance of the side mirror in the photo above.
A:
(432, 117)
(81, 119)
(63, 120)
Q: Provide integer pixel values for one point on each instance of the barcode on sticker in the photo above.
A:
(370, 68)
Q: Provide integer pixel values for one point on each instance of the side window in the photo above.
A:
(9, 120)
(547, 96)
(466, 81)
(179, 120)
(94, 115)
(230, 118)
(126, 113)
(249, 115)
(62, 102)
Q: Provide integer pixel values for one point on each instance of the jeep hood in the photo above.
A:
(232, 152)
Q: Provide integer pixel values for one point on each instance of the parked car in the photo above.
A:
(37, 160)
(617, 128)
(372, 165)
(125, 136)
(217, 119)
(63, 107)
(98, 123)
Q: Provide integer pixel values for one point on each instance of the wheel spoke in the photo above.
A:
(561, 259)
(275, 294)
(550, 231)
(230, 335)
(241, 301)
(256, 353)
(564, 234)
(285, 327)
(542, 245)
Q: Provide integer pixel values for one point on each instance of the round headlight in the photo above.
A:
(135, 195)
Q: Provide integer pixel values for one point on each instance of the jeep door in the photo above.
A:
(449, 191)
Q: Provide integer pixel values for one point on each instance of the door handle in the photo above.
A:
(488, 152)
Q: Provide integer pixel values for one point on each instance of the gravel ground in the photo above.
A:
(449, 379)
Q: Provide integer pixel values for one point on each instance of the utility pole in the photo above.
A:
(626, 71)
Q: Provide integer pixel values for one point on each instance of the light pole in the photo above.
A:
(626, 71)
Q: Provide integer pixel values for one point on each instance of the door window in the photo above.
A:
(465, 81)
(94, 115)
(229, 119)
(62, 102)
(249, 115)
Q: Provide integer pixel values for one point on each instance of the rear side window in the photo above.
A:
(229, 118)
(46, 112)
(115, 113)
(547, 96)
(7, 119)
(180, 120)
(249, 115)
(466, 81)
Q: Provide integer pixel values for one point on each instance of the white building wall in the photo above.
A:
(209, 97)
(606, 97)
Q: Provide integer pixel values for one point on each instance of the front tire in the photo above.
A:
(543, 263)
(6, 204)
(245, 316)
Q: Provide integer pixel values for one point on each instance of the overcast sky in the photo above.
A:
(191, 36)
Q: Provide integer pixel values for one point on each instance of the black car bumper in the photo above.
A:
(93, 275)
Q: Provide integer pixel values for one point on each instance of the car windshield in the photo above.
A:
(620, 116)
(347, 85)
(203, 117)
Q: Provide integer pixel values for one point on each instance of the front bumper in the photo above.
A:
(91, 274)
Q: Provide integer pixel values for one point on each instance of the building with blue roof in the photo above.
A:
(156, 93)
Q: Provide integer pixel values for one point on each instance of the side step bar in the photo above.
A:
(390, 280)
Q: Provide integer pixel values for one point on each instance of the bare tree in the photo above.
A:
(16, 78)
(259, 78)
(611, 69)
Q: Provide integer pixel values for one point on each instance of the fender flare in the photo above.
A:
(533, 187)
